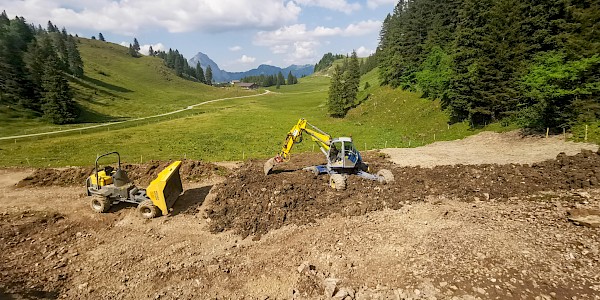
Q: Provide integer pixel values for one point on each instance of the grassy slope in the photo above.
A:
(116, 87)
(252, 127)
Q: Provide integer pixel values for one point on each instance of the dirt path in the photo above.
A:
(487, 148)
(449, 232)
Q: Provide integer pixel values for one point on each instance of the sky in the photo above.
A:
(237, 34)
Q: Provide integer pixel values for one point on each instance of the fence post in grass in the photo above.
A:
(385, 144)
(586, 130)
(565, 134)
(141, 159)
(434, 137)
(243, 155)
(365, 146)
(547, 131)
(408, 143)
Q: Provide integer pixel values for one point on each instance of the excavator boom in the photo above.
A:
(294, 136)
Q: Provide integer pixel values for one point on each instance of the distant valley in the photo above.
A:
(224, 76)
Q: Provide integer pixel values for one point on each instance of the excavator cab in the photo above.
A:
(343, 154)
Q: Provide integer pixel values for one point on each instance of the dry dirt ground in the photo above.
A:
(453, 231)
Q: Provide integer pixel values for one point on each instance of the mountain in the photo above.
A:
(224, 76)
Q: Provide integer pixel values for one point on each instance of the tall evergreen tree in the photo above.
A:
(101, 37)
(280, 79)
(200, 73)
(209, 75)
(75, 61)
(136, 45)
(290, 78)
(58, 105)
(335, 101)
(150, 51)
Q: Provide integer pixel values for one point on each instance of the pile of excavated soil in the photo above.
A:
(143, 174)
(251, 203)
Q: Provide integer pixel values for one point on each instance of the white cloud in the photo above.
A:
(129, 16)
(364, 52)
(246, 59)
(372, 4)
(144, 49)
(301, 43)
(235, 48)
(124, 44)
(337, 5)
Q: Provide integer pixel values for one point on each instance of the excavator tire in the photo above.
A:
(385, 176)
(337, 181)
(148, 210)
(100, 204)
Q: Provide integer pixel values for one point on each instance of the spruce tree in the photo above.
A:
(136, 45)
(209, 75)
(280, 79)
(75, 61)
(101, 37)
(335, 104)
(200, 73)
(290, 78)
(150, 51)
(58, 105)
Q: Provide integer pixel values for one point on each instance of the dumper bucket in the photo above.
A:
(269, 165)
(166, 188)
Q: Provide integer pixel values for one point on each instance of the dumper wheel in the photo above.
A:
(147, 209)
(100, 204)
(385, 176)
(337, 181)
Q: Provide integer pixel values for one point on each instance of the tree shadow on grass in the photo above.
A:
(87, 115)
(105, 85)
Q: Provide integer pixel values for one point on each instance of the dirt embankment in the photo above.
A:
(143, 174)
(252, 204)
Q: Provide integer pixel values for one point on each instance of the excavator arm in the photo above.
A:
(295, 136)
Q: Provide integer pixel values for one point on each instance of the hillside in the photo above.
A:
(117, 86)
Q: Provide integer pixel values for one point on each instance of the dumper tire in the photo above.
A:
(148, 210)
(337, 181)
(100, 204)
(385, 176)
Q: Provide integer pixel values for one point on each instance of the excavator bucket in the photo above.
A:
(166, 188)
(269, 165)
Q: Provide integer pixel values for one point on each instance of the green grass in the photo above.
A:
(251, 128)
(119, 87)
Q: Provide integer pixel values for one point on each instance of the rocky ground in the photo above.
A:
(494, 231)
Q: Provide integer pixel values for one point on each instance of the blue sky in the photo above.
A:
(237, 34)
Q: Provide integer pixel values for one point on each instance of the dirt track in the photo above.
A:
(477, 231)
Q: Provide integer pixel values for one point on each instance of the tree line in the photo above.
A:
(534, 62)
(34, 67)
(271, 80)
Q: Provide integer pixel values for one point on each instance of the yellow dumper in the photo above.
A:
(109, 186)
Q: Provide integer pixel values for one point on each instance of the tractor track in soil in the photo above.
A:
(487, 231)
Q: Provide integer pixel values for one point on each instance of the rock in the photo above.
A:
(82, 286)
(443, 284)
(341, 294)
(585, 217)
(212, 268)
(302, 267)
(479, 290)
(330, 285)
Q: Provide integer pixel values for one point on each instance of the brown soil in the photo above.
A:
(447, 232)
(190, 170)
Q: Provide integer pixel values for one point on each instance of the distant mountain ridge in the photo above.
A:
(224, 76)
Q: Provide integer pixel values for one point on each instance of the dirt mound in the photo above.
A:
(191, 170)
(252, 204)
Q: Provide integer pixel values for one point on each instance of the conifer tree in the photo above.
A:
(58, 105)
(209, 75)
(290, 78)
(280, 79)
(150, 51)
(136, 45)
(101, 37)
(335, 104)
(75, 61)
(200, 73)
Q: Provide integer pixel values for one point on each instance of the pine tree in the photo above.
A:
(51, 27)
(136, 45)
(101, 37)
(58, 105)
(280, 79)
(290, 78)
(209, 75)
(131, 51)
(150, 51)
(93, 37)
(351, 81)
(75, 61)
(200, 73)
(335, 105)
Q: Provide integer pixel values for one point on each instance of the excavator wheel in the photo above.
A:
(337, 181)
(100, 204)
(148, 210)
(385, 176)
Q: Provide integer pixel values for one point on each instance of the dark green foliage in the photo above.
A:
(57, 101)
(101, 37)
(335, 101)
(136, 45)
(264, 80)
(200, 73)
(34, 64)
(208, 75)
(327, 61)
(488, 60)
(291, 79)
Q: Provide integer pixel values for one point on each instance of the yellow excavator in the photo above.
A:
(343, 158)
(109, 186)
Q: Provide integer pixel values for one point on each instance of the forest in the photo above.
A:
(532, 62)
(34, 67)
